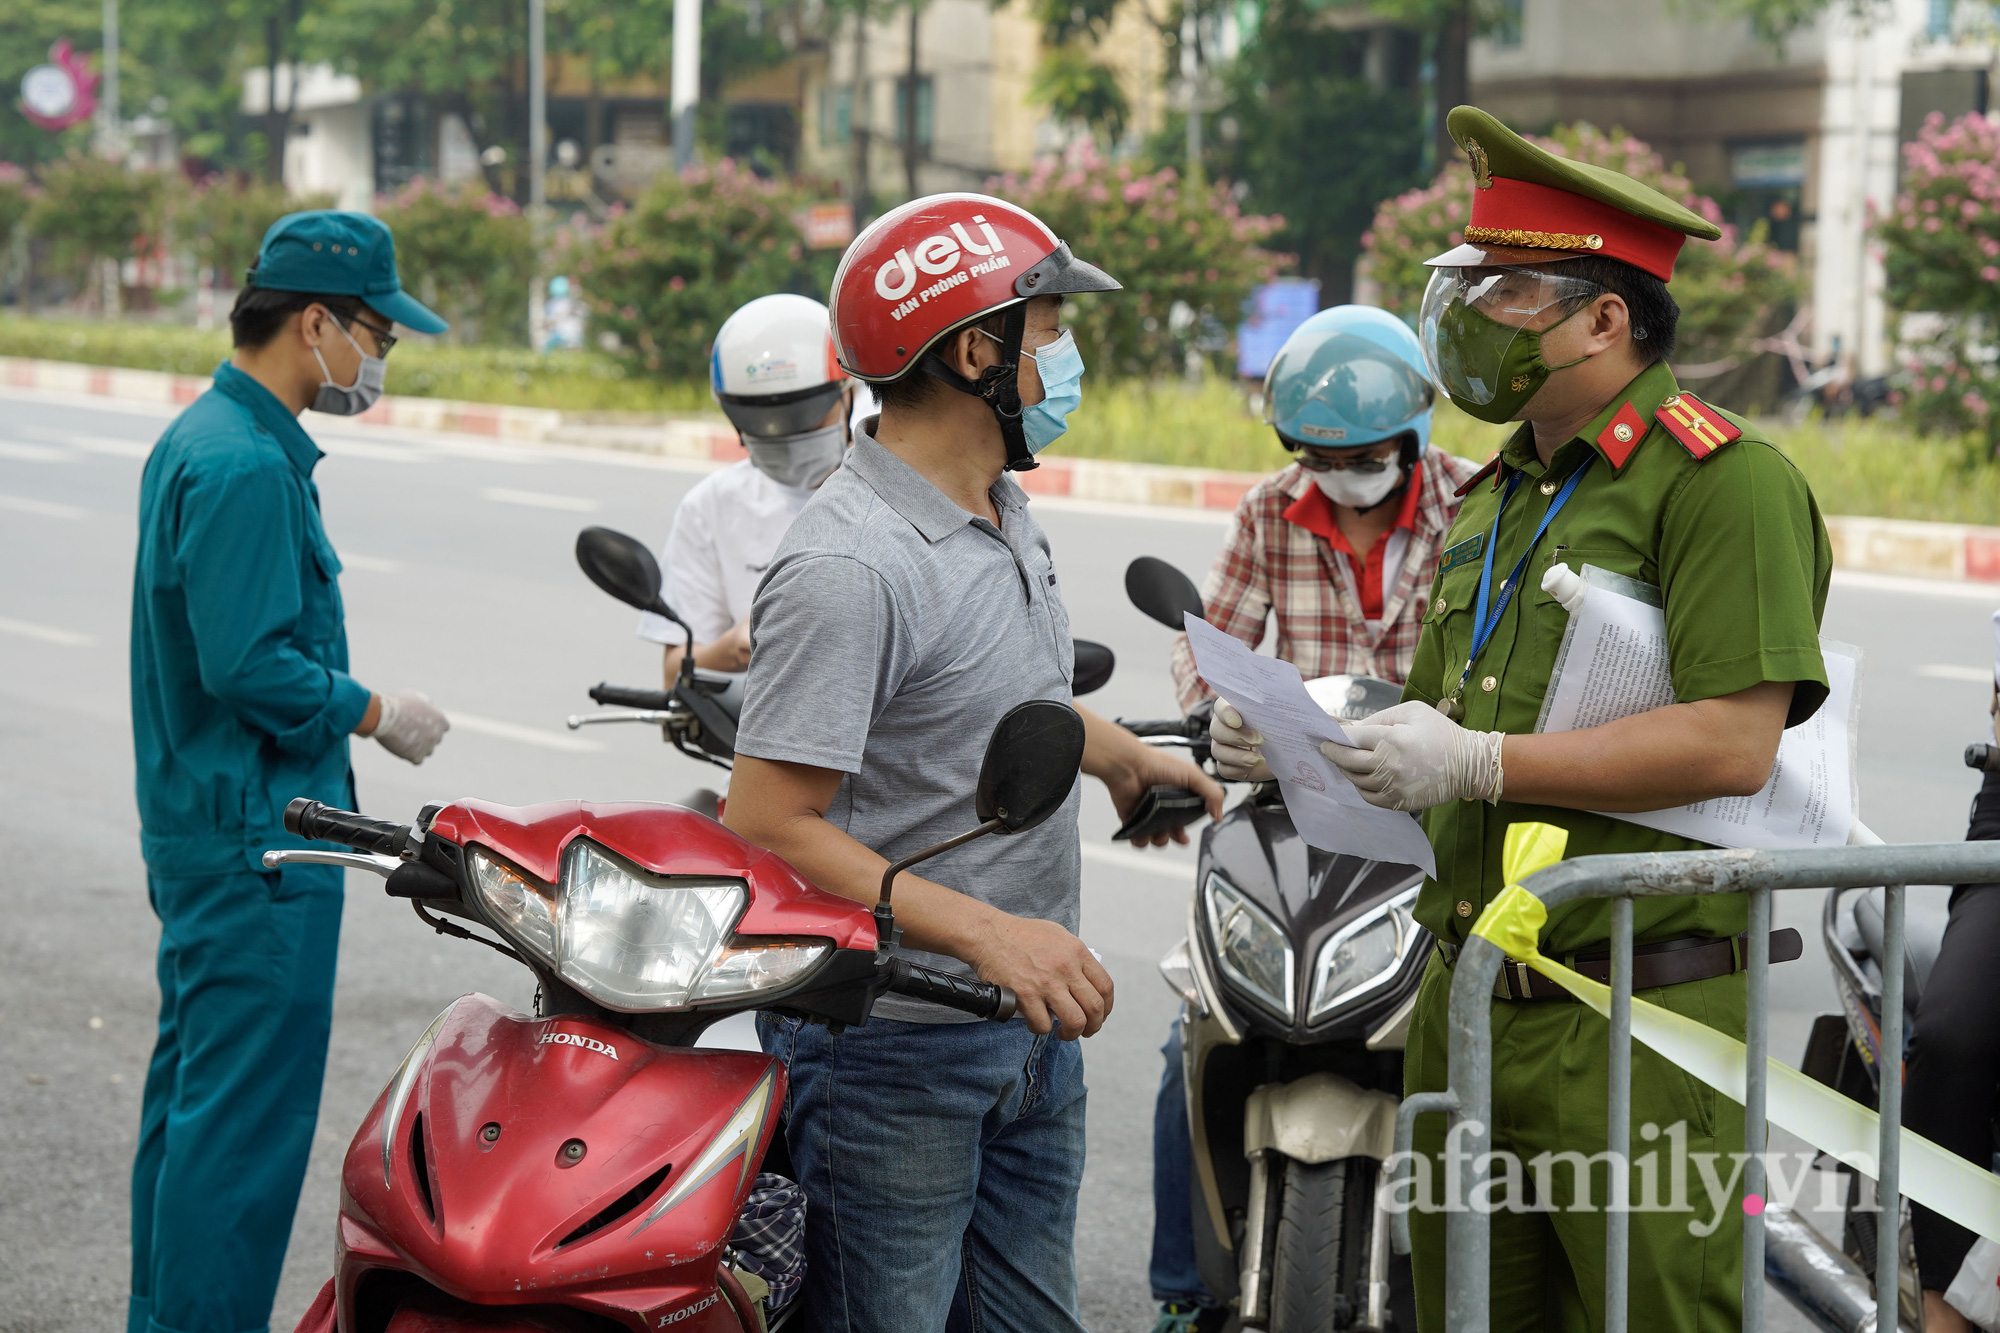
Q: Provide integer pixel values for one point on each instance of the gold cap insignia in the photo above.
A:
(1482, 173)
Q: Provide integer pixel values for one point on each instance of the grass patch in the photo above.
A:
(1855, 467)
(572, 381)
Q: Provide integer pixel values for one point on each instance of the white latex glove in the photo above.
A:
(1235, 746)
(1412, 757)
(1565, 585)
(410, 725)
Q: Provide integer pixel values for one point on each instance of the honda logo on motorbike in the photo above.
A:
(576, 1039)
(938, 256)
(687, 1311)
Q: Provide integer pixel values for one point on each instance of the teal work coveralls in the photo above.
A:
(240, 701)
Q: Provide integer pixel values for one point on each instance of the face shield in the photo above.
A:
(1481, 330)
(1339, 389)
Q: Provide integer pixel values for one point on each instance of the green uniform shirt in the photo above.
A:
(1736, 546)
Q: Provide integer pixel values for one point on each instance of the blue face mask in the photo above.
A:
(1061, 366)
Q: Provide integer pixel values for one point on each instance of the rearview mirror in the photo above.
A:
(1031, 764)
(1162, 592)
(1093, 666)
(623, 567)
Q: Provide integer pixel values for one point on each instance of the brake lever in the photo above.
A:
(653, 716)
(384, 866)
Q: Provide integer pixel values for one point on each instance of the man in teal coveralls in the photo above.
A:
(241, 701)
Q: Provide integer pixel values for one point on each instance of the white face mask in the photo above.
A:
(800, 461)
(356, 398)
(1358, 490)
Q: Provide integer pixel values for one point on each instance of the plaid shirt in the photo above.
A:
(1272, 564)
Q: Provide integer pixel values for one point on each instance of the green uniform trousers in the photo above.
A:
(1551, 1080)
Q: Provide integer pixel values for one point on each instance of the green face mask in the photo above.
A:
(1490, 369)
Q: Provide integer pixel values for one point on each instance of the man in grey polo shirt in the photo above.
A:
(913, 603)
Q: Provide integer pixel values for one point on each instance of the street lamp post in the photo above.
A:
(686, 83)
(538, 158)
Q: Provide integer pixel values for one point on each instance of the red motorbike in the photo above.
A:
(581, 1168)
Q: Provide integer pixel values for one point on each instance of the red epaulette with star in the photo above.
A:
(1700, 428)
(1465, 488)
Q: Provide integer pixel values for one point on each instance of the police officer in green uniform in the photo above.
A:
(241, 700)
(1555, 314)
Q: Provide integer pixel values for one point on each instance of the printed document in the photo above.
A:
(1613, 663)
(1325, 807)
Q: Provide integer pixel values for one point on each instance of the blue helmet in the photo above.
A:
(1349, 376)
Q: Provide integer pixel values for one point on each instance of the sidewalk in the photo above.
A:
(1952, 551)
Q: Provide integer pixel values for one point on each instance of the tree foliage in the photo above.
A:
(90, 210)
(662, 275)
(467, 253)
(1069, 79)
(223, 219)
(1186, 252)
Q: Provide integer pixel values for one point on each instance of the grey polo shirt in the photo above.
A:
(892, 631)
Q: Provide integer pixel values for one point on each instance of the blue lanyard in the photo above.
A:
(1484, 624)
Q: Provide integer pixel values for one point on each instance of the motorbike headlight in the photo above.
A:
(526, 908)
(634, 940)
(1365, 955)
(638, 940)
(1252, 948)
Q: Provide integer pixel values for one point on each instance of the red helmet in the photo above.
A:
(936, 264)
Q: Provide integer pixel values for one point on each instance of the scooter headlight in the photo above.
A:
(636, 941)
(1253, 949)
(1363, 957)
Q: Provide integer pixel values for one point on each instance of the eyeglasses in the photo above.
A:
(385, 341)
(1312, 461)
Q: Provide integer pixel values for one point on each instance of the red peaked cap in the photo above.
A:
(1522, 206)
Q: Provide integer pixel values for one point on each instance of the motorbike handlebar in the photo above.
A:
(1186, 728)
(981, 999)
(622, 696)
(322, 823)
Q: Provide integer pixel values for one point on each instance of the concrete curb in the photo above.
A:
(1951, 551)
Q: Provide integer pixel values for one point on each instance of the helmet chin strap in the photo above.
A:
(999, 385)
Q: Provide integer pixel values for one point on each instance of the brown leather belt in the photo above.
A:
(1667, 963)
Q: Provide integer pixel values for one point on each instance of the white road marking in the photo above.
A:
(91, 444)
(46, 633)
(34, 453)
(372, 564)
(21, 504)
(514, 731)
(1123, 858)
(1951, 671)
(1988, 593)
(575, 504)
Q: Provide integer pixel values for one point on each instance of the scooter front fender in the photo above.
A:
(1320, 1118)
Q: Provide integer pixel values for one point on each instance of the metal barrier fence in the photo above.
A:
(1469, 1098)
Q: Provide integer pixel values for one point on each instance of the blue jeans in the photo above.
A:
(232, 1094)
(941, 1163)
(1173, 1273)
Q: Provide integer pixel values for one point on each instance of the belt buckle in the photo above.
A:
(1512, 983)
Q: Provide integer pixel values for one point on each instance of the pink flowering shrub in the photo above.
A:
(1171, 243)
(467, 253)
(662, 274)
(1730, 291)
(15, 200)
(222, 219)
(1942, 246)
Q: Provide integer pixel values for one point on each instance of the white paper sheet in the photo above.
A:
(1614, 664)
(1324, 805)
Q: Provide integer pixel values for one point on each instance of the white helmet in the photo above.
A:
(773, 370)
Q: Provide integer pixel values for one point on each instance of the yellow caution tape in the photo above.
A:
(1942, 1181)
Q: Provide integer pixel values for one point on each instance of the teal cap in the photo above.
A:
(333, 253)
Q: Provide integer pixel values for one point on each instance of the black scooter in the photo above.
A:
(1297, 978)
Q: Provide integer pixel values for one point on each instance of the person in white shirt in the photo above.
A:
(774, 375)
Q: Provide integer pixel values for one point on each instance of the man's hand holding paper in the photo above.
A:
(1412, 757)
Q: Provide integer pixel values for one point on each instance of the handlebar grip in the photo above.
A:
(322, 823)
(1187, 728)
(621, 696)
(981, 999)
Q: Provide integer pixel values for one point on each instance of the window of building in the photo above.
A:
(836, 112)
(1767, 179)
(1506, 30)
(405, 142)
(923, 109)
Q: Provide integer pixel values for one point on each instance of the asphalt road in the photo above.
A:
(460, 582)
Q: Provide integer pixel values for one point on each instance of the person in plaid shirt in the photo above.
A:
(1342, 545)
